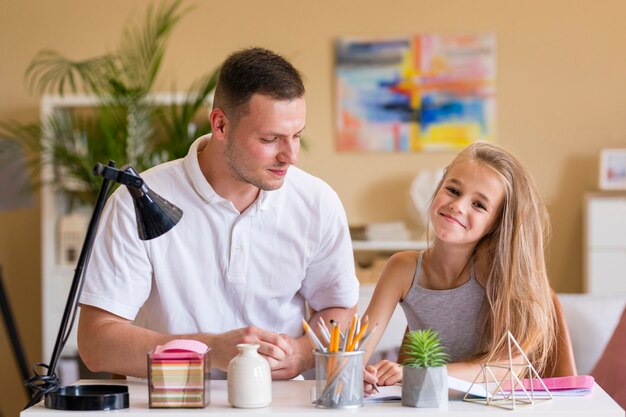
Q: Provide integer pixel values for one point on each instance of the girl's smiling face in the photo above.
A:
(467, 204)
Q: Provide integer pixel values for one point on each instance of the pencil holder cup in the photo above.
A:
(179, 375)
(339, 379)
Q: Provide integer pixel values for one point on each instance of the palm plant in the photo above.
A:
(126, 125)
(423, 349)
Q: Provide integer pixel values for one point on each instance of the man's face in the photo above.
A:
(265, 141)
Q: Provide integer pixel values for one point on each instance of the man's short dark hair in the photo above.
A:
(255, 71)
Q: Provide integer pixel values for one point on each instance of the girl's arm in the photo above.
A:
(562, 360)
(391, 288)
(390, 373)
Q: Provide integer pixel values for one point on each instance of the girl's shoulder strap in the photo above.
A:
(418, 268)
(401, 268)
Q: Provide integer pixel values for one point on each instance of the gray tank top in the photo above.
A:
(456, 313)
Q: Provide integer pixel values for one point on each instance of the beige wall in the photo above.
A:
(561, 98)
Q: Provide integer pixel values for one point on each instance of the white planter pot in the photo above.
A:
(425, 387)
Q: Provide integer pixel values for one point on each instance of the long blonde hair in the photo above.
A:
(517, 289)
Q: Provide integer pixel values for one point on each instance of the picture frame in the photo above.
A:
(613, 169)
(425, 92)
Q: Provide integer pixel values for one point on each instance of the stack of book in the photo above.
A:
(387, 231)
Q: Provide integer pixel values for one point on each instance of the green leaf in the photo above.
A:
(50, 71)
(176, 120)
(423, 348)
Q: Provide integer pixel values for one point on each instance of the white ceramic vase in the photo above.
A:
(249, 379)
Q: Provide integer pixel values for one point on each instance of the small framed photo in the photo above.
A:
(613, 169)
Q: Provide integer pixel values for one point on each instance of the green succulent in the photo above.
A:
(423, 349)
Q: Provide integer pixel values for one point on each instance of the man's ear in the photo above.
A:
(218, 123)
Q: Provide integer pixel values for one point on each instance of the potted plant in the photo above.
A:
(126, 123)
(425, 374)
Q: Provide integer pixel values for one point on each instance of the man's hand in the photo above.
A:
(109, 343)
(276, 348)
(293, 365)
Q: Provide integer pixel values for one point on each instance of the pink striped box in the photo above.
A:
(179, 375)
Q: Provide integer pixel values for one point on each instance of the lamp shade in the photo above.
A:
(155, 215)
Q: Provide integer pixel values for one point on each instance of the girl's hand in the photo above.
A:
(369, 379)
(387, 372)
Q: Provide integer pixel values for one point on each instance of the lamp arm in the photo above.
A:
(40, 384)
(77, 281)
(155, 216)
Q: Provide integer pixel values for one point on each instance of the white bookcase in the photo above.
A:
(604, 259)
(56, 279)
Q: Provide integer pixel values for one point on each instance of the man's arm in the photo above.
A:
(110, 343)
(302, 357)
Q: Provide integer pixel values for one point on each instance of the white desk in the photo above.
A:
(291, 398)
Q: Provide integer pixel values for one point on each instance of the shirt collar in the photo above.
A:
(192, 167)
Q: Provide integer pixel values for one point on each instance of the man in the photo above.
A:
(258, 239)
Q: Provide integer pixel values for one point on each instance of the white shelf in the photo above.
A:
(56, 279)
(388, 245)
(604, 250)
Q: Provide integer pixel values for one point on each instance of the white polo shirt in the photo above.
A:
(217, 269)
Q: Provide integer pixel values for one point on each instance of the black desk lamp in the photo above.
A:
(155, 216)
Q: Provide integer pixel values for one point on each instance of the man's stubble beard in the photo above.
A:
(238, 171)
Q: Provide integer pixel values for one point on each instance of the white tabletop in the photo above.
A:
(293, 398)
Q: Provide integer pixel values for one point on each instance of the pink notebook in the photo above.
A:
(562, 385)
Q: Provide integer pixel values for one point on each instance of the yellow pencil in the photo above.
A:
(332, 348)
(336, 338)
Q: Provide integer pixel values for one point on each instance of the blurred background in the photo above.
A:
(561, 99)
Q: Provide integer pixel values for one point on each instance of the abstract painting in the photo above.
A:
(427, 92)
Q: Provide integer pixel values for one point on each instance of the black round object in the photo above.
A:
(88, 397)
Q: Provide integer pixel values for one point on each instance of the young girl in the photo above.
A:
(484, 273)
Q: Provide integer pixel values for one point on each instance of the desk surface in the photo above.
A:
(292, 398)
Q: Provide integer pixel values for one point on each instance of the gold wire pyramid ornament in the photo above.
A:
(511, 389)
